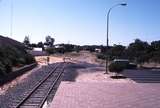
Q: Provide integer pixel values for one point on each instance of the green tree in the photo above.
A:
(155, 51)
(26, 40)
(49, 41)
(11, 56)
(117, 51)
(155, 45)
(41, 45)
(138, 51)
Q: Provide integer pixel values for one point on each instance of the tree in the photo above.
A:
(155, 45)
(155, 51)
(68, 47)
(49, 41)
(26, 40)
(103, 49)
(40, 45)
(33, 45)
(138, 51)
(77, 48)
(117, 51)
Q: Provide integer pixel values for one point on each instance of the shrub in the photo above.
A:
(68, 47)
(116, 67)
(21, 60)
(11, 56)
(50, 50)
(29, 59)
(2, 69)
(7, 65)
(101, 56)
(77, 49)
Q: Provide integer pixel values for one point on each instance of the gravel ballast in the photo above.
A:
(12, 94)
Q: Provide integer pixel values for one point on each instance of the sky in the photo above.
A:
(81, 22)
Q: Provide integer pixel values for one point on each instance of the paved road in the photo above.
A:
(143, 76)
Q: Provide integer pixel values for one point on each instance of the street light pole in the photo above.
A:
(107, 58)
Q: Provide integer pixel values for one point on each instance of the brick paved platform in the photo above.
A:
(107, 95)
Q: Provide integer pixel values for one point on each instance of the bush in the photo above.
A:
(21, 60)
(68, 47)
(77, 49)
(11, 56)
(101, 56)
(29, 59)
(2, 69)
(116, 67)
(7, 65)
(50, 50)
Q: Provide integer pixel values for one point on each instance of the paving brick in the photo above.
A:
(106, 95)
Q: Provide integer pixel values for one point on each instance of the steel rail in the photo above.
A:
(37, 85)
(54, 83)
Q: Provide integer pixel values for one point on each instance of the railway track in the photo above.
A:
(36, 97)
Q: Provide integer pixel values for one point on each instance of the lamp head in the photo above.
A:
(123, 4)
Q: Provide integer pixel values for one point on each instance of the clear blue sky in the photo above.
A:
(81, 21)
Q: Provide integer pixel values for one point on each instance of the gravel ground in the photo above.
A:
(72, 70)
(85, 67)
(15, 92)
(86, 72)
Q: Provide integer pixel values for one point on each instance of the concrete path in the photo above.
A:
(107, 95)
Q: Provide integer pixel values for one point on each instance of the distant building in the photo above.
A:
(98, 50)
(37, 49)
(37, 52)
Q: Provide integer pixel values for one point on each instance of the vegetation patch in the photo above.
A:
(116, 68)
(11, 56)
(138, 52)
